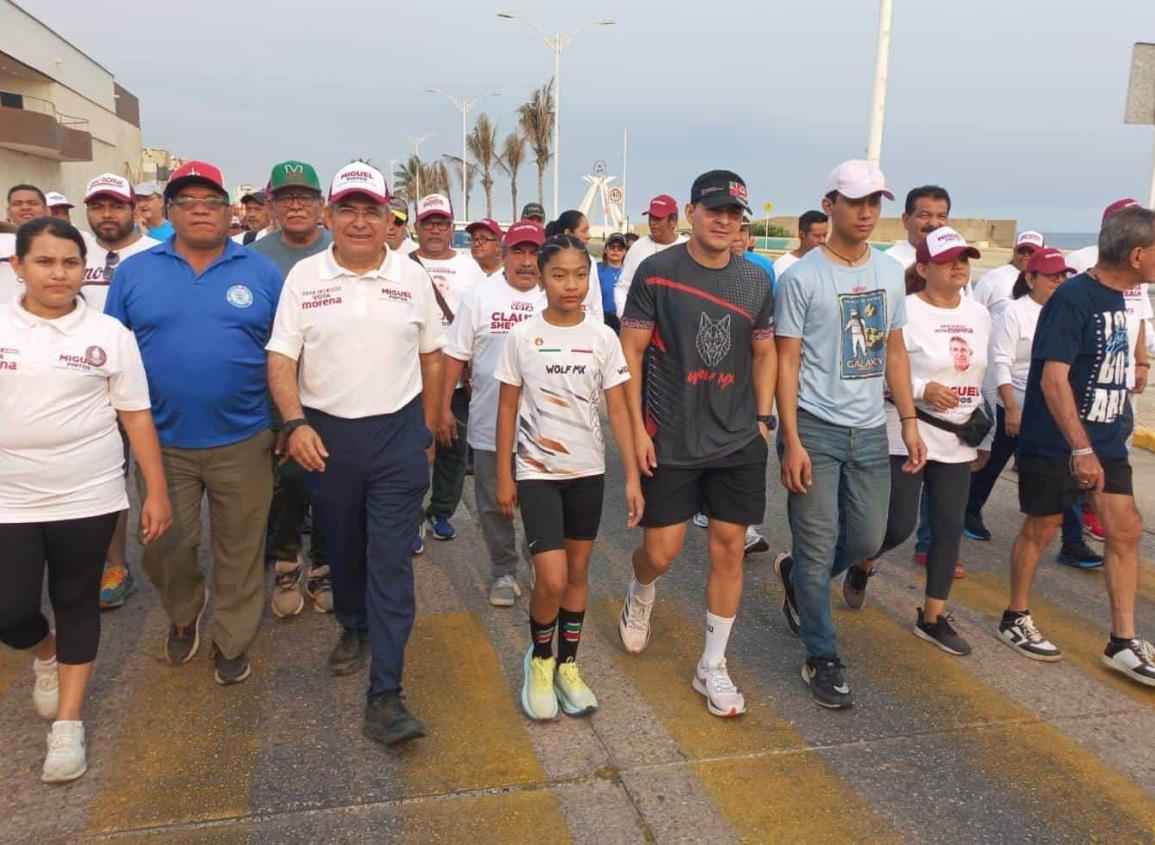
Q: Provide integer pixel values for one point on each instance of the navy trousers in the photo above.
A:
(368, 503)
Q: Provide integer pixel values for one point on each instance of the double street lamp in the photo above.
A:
(463, 106)
(556, 43)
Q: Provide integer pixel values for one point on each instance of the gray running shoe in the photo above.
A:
(504, 591)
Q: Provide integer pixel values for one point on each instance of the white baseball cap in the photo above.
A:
(856, 179)
(110, 185)
(1031, 239)
(357, 177)
(147, 189)
(57, 200)
(434, 204)
(942, 245)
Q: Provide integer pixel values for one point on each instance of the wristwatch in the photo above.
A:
(769, 420)
(290, 425)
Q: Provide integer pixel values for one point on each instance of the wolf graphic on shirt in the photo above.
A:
(713, 340)
(863, 328)
(1107, 393)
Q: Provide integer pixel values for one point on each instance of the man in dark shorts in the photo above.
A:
(1073, 440)
(698, 335)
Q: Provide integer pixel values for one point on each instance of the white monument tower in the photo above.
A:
(613, 219)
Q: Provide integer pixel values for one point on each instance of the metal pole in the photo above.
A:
(1151, 199)
(625, 196)
(882, 59)
(417, 155)
(464, 161)
(556, 125)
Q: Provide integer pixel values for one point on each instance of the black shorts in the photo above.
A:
(731, 489)
(1047, 488)
(555, 511)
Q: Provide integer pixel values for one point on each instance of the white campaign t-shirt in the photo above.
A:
(562, 372)
(453, 277)
(642, 249)
(357, 337)
(479, 332)
(782, 263)
(903, 253)
(1012, 336)
(993, 290)
(948, 346)
(11, 288)
(95, 287)
(61, 383)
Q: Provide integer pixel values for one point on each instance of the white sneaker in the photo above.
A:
(1023, 636)
(755, 542)
(701, 520)
(1135, 659)
(46, 690)
(722, 697)
(634, 623)
(287, 599)
(65, 760)
(538, 699)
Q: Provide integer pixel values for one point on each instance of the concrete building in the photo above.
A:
(63, 117)
(156, 164)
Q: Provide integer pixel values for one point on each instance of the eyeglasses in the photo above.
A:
(189, 203)
(483, 240)
(436, 225)
(111, 261)
(347, 214)
(295, 198)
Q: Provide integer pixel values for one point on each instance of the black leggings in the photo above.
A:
(74, 551)
(947, 486)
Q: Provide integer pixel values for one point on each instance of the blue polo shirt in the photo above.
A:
(202, 339)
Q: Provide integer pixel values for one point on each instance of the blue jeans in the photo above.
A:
(840, 521)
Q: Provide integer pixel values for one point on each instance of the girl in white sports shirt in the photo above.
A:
(67, 375)
(554, 371)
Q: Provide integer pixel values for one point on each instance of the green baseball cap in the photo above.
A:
(294, 174)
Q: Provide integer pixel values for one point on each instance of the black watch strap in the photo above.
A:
(770, 420)
(288, 426)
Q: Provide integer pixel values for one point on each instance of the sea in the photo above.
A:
(1070, 240)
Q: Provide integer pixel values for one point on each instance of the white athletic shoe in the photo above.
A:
(722, 697)
(1023, 636)
(1135, 659)
(701, 520)
(65, 760)
(755, 542)
(46, 690)
(634, 624)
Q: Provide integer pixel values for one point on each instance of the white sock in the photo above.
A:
(44, 664)
(717, 635)
(644, 592)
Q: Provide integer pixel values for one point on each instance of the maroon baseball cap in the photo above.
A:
(487, 223)
(195, 171)
(1048, 260)
(1119, 205)
(524, 232)
(663, 205)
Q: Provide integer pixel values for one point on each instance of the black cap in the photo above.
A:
(718, 189)
(259, 197)
(533, 211)
(616, 238)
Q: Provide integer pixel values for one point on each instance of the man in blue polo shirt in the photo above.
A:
(202, 308)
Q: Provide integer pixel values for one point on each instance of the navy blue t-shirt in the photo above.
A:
(1084, 325)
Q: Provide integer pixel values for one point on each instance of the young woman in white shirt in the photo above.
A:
(67, 375)
(1010, 361)
(947, 335)
(554, 372)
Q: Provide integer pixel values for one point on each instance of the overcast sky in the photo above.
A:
(1015, 106)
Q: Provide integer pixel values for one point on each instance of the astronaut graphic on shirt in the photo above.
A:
(863, 333)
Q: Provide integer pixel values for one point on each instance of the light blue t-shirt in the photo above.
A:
(843, 316)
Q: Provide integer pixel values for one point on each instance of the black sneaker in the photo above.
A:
(184, 640)
(974, 528)
(389, 722)
(350, 653)
(783, 566)
(1133, 658)
(230, 670)
(854, 587)
(1079, 555)
(1018, 631)
(827, 684)
(942, 634)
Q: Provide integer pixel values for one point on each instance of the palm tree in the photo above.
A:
(536, 118)
(433, 179)
(482, 145)
(511, 159)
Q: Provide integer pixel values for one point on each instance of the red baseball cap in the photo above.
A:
(195, 171)
(1048, 260)
(487, 223)
(434, 204)
(663, 205)
(942, 245)
(1119, 205)
(524, 232)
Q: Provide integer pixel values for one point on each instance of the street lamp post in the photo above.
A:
(392, 170)
(882, 60)
(556, 43)
(464, 106)
(417, 141)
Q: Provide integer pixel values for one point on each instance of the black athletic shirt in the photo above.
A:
(698, 389)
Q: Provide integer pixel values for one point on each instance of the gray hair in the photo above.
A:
(1124, 231)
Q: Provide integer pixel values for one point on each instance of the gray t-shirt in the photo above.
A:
(285, 255)
(843, 316)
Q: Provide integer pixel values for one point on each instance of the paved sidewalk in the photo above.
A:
(989, 748)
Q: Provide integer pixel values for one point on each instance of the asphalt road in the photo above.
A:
(988, 748)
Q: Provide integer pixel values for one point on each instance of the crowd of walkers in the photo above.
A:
(327, 385)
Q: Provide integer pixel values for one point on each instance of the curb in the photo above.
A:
(1144, 438)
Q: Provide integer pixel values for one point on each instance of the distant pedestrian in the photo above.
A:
(812, 230)
(609, 271)
(662, 215)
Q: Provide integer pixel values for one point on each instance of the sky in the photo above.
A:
(1015, 106)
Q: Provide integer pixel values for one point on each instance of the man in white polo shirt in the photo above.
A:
(994, 288)
(453, 273)
(110, 206)
(927, 208)
(346, 317)
(477, 338)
